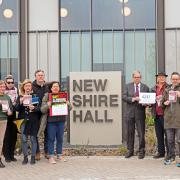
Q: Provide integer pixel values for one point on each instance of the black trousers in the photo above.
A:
(10, 139)
(139, 123)
(161, 135)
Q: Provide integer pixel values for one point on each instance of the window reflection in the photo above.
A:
(107, 14)
(8, 13)
(64, 12)
(117, 39)
(78, 16)
(9, 42)
(142, 14)
(126, 11)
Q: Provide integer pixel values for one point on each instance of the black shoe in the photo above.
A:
(25, 161)
(157, 156)
(33, 161)
(141, 155)
(129, 154)
(8, 160)
(13, 159)
(1, 164)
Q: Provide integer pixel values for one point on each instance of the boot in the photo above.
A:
(25, 161)
(1, 164)
(32, 160)
(37, 157)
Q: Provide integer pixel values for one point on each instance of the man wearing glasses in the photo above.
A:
(40, 88)
(135, 114)
(171, 105)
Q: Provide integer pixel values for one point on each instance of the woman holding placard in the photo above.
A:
(28, 108)
(6, 109)
(55, 108)
(10, 137)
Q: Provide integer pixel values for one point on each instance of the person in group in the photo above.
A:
(40, 88)
(55, 125)
(158, 114)
(6, 109)
(29, 111)
(10, 137)
(135, 114)
(171, 105)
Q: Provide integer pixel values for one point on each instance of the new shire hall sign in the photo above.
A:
(96, 117)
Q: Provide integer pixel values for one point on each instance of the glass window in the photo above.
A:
(139, 14)
(9, 42)
(75, 14)
(172, 46)
(107, 50)
(106, 14)
(75, 52)
(140, 55)
(9, 54)
(9, 15)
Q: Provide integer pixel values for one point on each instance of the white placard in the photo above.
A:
(147, 98)
(59, 109)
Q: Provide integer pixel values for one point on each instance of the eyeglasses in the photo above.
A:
(10, 82)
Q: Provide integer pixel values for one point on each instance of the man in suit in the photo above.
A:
(135, 114)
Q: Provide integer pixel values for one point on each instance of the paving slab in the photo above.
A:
(92, 168)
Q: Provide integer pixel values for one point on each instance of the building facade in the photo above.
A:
(62, 36)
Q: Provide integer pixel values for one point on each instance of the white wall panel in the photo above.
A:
(32, 55)
(43, 14)
(44, 54)
(172, 52)
(172, 13)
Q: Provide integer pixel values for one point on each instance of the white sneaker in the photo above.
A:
(61, 158)
(52, 160)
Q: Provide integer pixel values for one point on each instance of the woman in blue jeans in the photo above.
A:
(55, 125)
(29, 111)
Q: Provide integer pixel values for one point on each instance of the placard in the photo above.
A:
(35, 100)
(5, 105)
(12, 94)
(147, 98)
(172, 96)
(59, 105)
(27, 100)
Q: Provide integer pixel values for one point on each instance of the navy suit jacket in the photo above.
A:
(134, 109)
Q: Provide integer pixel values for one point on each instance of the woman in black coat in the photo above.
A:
(28, 108)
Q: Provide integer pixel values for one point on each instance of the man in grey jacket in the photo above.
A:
(135, 114)
(171, 105)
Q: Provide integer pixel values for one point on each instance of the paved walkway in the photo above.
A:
(92, 168)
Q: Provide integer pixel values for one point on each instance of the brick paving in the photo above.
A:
(92, 168)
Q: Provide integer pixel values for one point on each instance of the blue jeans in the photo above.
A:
(55, 132)
(25, 144)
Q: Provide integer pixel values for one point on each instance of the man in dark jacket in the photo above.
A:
(135, 114)
(171, 105)
(40, 88)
